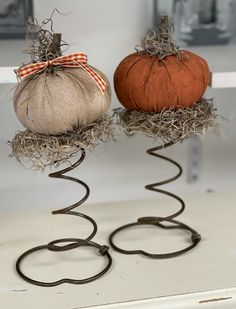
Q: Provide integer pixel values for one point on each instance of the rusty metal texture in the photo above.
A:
(160, 221)
(65, 244)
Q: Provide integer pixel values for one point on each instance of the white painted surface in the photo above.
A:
(7, 75)
(225, 298)
(223, 80)
(210, 267)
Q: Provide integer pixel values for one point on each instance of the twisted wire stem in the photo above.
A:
(71, 243)
(158, 221)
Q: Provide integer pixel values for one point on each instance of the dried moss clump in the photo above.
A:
(170, 125)
(41, 151)
(160, 42)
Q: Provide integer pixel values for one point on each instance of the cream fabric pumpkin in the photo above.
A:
(57, 103)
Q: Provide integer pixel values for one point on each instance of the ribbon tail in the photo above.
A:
(97, 78)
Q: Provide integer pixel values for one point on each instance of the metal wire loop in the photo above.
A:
(65, 280)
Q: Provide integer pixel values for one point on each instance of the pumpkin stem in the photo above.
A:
(56, 44)
(54, 49)
(160, 42)
(164, 19)
(46, 44)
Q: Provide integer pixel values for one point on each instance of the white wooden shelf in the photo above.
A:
(218, 79)
(7, 75)
(202, 278)
(223, 80)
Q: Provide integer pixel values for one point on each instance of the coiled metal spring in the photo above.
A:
(69, 243)
(159, 221)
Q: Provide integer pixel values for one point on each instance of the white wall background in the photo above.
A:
(108, 30)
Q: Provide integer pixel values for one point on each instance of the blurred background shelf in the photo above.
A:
(218, 79)
(223, 80)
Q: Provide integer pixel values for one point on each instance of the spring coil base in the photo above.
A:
(71, 243)
(158, 221)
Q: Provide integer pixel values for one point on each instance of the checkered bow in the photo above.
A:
(72, 60)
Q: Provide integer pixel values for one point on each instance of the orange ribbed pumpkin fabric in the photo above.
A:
(144, 83)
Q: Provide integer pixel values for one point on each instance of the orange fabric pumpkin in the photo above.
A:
(145, 83)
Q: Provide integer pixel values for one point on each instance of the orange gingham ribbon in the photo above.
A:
(70, 61)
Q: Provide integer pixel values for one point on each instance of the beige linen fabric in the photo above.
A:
(57, 103)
